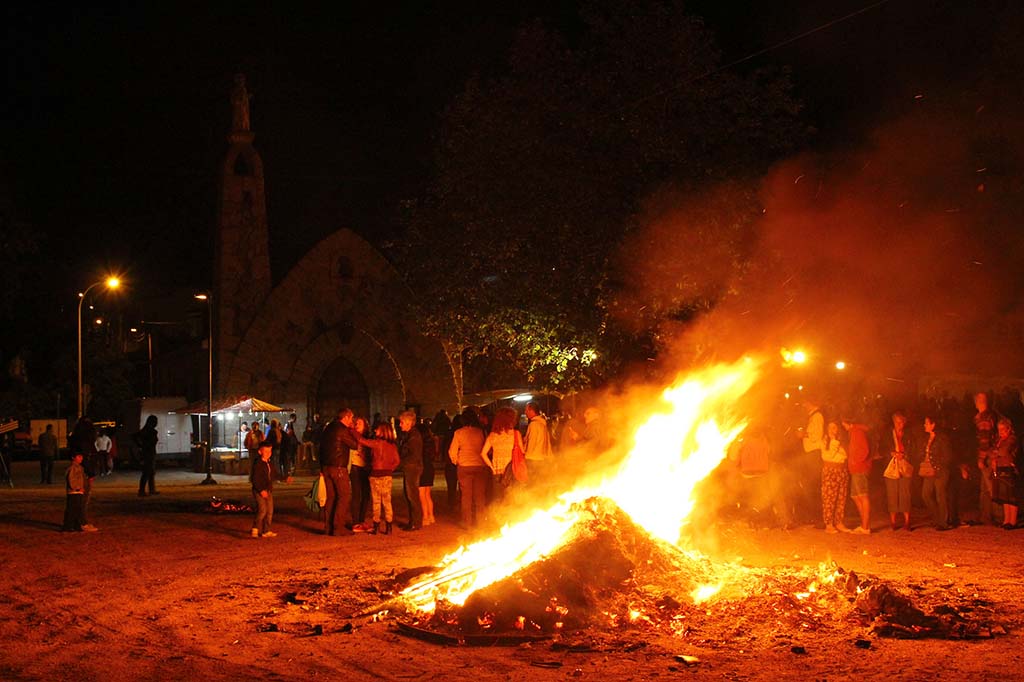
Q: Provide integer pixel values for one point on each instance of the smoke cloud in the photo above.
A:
(900, 257)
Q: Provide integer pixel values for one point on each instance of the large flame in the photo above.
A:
(672, 452)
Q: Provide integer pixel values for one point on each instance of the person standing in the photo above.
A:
(858, 463)
(359, 474)
(936, 462)
(1004, 465)
(252, 441)
(83, 440)
(812, 439)
(47, 454)
(985, 432)
(473, 469)
(146, 439)
(103, 461)
(383, 462)
(275, 436)
(899, 473)
(498, 446)
(537, 444)
(263, 477)
(410, 451)
(451, 472)
(289, 446)
(834, 481)
(74, 504)
(427, 475)
(337, 441)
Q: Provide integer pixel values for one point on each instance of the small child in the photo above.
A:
(263, 491)
(384, 461)
(74, 506)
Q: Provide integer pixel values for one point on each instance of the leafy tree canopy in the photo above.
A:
(542, 173)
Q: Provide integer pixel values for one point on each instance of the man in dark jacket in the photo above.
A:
(335, 443)
(410, 450)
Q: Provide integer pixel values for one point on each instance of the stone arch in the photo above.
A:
(343, 299)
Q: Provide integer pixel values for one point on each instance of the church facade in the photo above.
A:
(326, 335)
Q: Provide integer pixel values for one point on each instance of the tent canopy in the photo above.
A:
(244, 404)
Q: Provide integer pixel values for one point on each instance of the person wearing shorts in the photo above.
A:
(859, 464)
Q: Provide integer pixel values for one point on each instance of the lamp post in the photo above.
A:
(111, 283)
(209, 480)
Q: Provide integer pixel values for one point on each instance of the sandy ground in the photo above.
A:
(167, 592)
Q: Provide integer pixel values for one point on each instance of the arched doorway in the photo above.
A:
(342, 385)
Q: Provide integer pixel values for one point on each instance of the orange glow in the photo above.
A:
(692, 426)
(793, 357)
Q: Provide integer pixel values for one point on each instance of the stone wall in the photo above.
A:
(343, 299)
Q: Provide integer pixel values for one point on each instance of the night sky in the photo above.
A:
(115, 118)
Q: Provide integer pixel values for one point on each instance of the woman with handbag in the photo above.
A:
(898, 473)
(1004, 465)
(934, 472)
(499, 447)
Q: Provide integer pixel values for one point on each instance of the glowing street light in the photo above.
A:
(111, 283)
(793, 357)
(840, 365)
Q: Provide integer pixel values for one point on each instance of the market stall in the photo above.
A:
(228, 454)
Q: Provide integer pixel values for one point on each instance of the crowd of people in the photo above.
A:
(959, 464)
(483, 454)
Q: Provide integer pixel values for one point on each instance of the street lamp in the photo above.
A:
(209, 480)
(111, 283)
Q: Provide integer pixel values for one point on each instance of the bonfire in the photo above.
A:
(614, 551)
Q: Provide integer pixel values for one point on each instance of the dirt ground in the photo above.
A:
(166, 591)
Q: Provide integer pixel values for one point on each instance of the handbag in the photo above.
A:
(899, 468)
(518, 462)
(926, 470)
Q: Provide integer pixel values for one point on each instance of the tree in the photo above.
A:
(541, 175)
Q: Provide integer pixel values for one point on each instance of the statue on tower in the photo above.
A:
(240, 105)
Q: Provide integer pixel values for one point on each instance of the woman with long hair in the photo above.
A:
(498, 447)
(473, 469)
(835, 481)
(383, 462)
(359, 473)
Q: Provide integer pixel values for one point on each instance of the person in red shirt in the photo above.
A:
(859, 464)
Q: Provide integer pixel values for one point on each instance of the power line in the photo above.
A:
(754, 55)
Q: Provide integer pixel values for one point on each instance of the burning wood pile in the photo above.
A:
(613, 576)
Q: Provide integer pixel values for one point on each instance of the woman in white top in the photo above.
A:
(504, 437)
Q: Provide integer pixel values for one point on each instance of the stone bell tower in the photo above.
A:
(242, 268)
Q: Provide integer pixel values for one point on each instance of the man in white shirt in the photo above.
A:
(538, 441)
(812, 439)
(106, 462)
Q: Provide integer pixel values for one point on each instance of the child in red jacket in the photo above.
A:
(383, 462)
